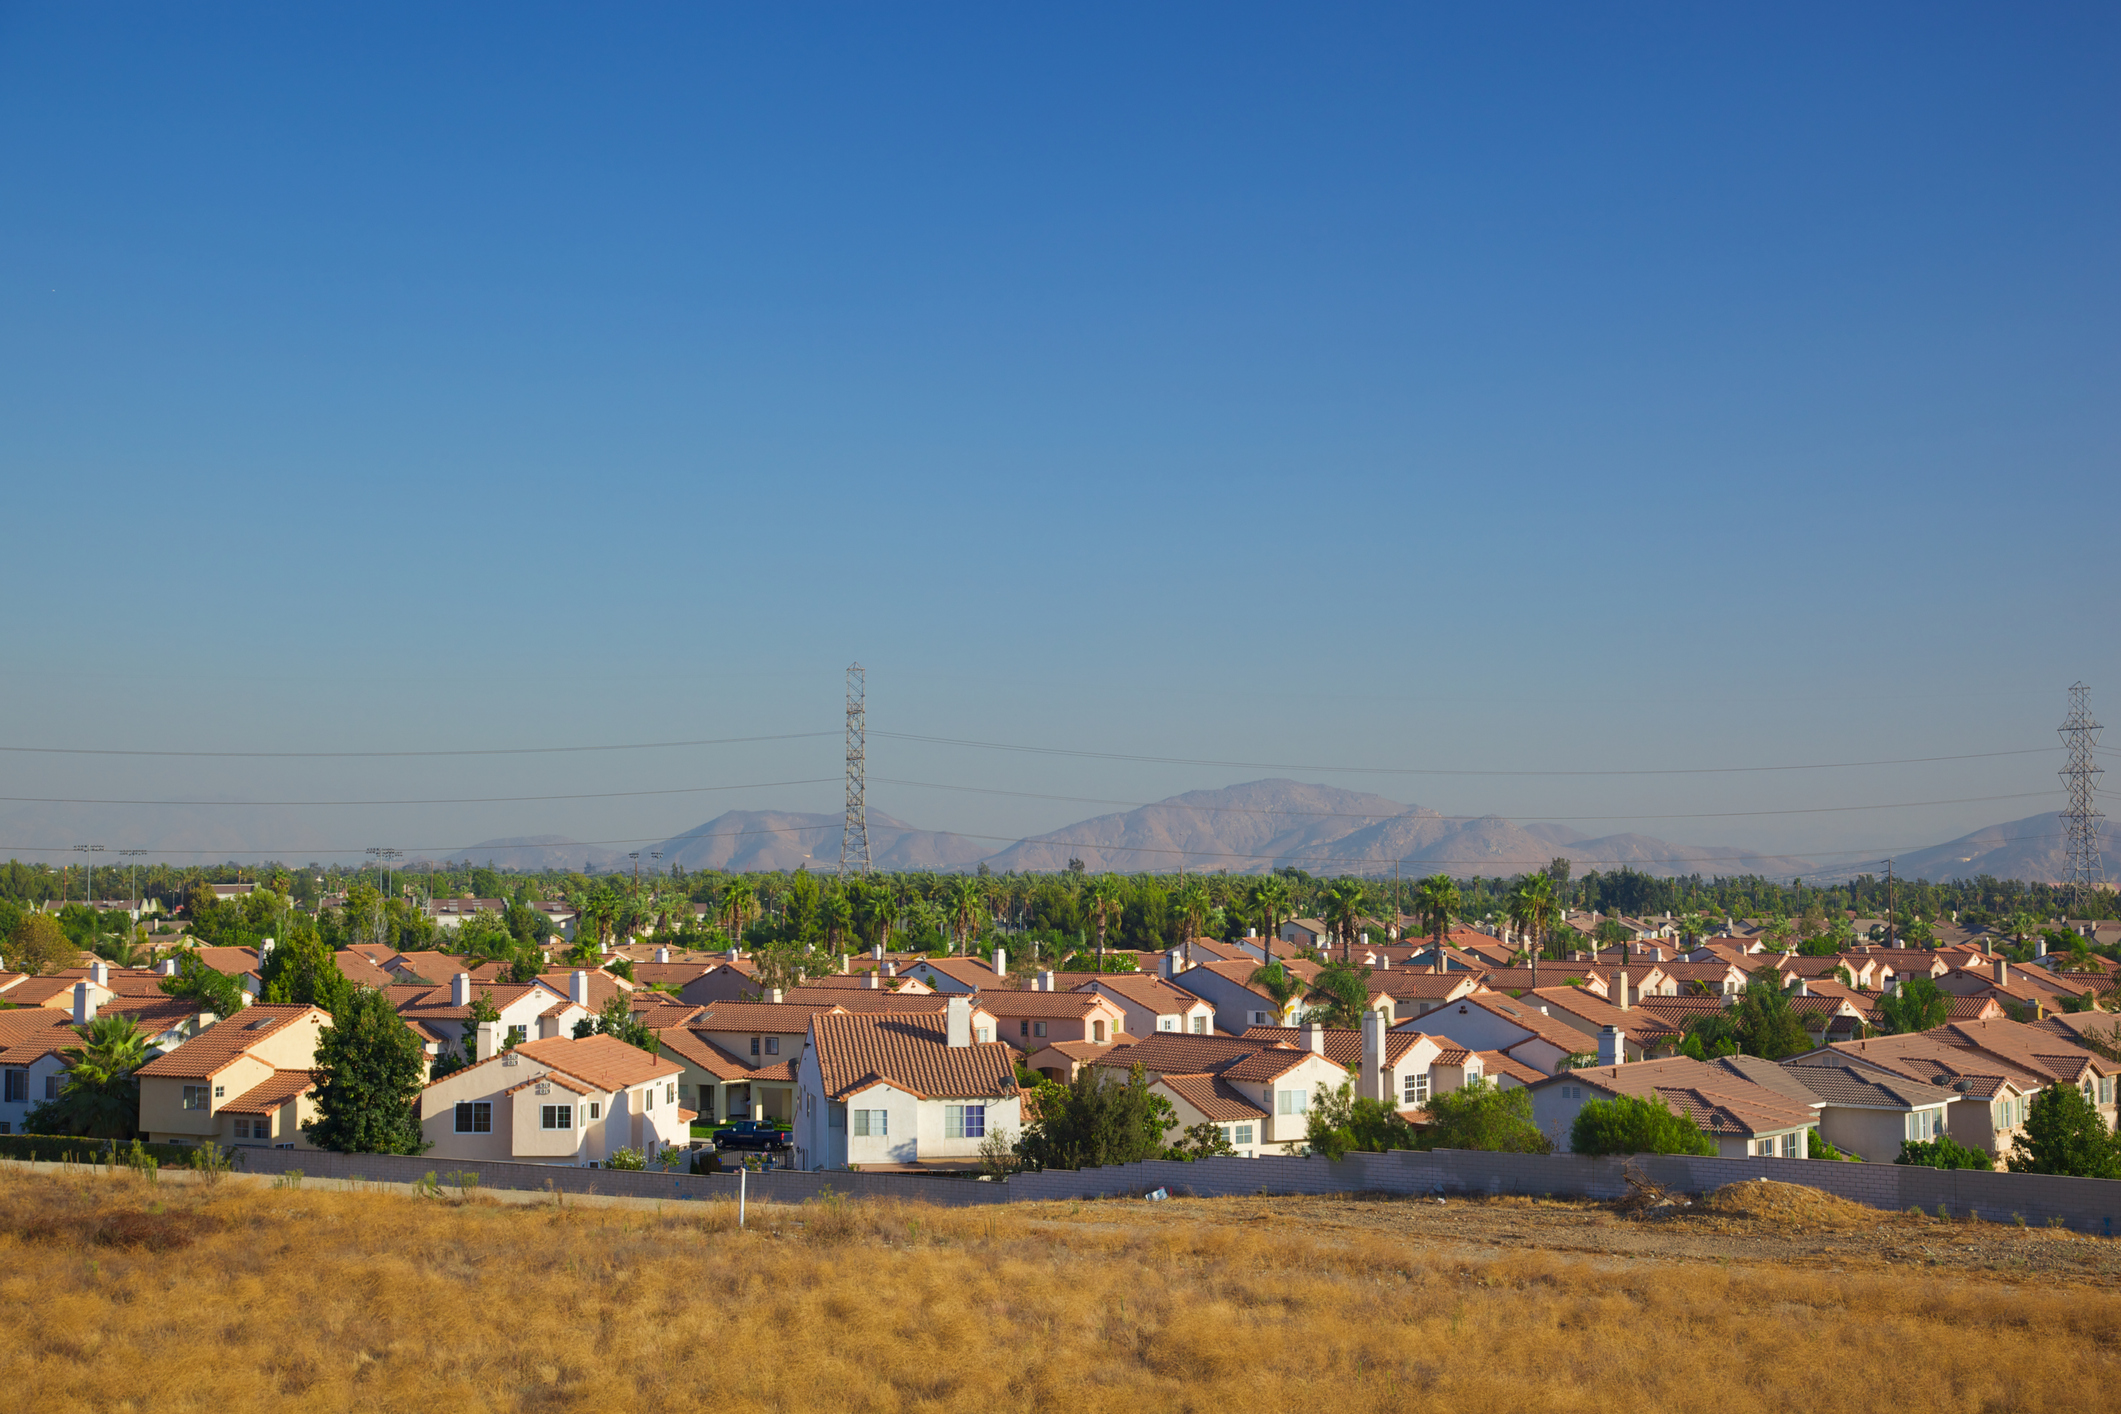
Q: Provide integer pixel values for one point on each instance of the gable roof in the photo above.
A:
(1497, 1063)
(223, 1043)
(604, 1061)
(781, 1018)
(1030, 1004)
(1214, 1097)
(1343, 1044)
(1144, 991)
(1720, 1101)
(270, 1093)
(855, 1050)
(1181, 1053)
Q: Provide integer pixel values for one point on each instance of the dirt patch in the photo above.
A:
(1791, 1205)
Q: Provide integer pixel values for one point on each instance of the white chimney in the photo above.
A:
(1251, 932)
(265, 946)
(99, 973)
(2003, 971)
(578, 988)
(1374, 1084)
(876, 951)
(1001, 962)
(486, 1040)
(774, 996)
(957, 1021)
(1174, 960)
(1620, 977)
(167, 967)
(1045, 981)
(1314, 1038)
(1612, 1049)
(2040, 948)
(1384, 962)
(873, 979)
(891, 969)
(84, 1004)
(1804, 987)
(662, 954)
(846, 963)
(460, 989)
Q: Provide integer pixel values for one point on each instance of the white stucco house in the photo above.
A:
(883, 1088)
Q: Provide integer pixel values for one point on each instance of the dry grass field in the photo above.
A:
(120, 1294)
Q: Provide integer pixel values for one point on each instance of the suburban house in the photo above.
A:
(1277, 1081)
(1239, 1004)
(1415, 993)
(739, 1058)
(1870, 1112)
(1399, 1068)
(450, 912)
(886, 1088)
(1149, 1004)
(31, 1039)
(529, 1011)
(242, 1082)
(1493, 1021)
(1030, 1021)
(1647, 1033)
(555, 1101)
(958, 974)
(1743, 1116)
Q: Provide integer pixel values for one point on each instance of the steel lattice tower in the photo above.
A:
(854, 835)
(2080, 822)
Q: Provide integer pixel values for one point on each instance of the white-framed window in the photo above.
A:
(670, 1092)
(596, 1109)
(1925, 1124)
(2106, 1089)
(1167, 1023)
(220, 1092)
(1293, 1102)
(1200, 1025)
(1790, 1142)
(51, 1087)
(195, 1097)
(555, 1116)
(985, 1034)
(1262, 1018)
(1765, 1148)
(872, 1124)
(1417, 1088)
(517, 1035)
(965, 1121)
(1244, 1134)
(648, 1097)
(474, 1117)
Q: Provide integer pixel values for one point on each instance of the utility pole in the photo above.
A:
(854, 832)
(2085, 870)
(132, 886)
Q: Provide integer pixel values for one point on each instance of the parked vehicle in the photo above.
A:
(752, 1134)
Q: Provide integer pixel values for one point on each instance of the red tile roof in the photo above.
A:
(219, 1045)
(854, 1051)
(270, 1093)
(1214, 1097)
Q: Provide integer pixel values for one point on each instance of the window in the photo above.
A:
(1789, 1145)
(17, 1092)
(220, 1092)
(1244, 1134)
(1417, 1088)
(1260, 1018)
(195, 1097)
(242, 1127)
(985, 1034)
(872, 1124)
(517, 1035)
(474, 1117)
(773, 1045)
(556, 1116)
(1925, 1124)
(648, 1095)
(51, 1087)
(596, 1109)
(1097, 1030)
(2106, 1089)
(754, 1045)
(1765, 1148)
(670, 1092)
(1023, 1028)
(1294, 1102)
(1200, 1025)
(966, 1121)
(1038, 1028)
(1167, 1023)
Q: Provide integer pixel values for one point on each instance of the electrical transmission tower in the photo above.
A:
(854, 835)
(2080, 822)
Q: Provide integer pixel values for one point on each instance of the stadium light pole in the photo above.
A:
(88, 872)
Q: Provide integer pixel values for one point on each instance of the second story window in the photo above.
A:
(1200, 1025)
(773, 1045)
(17, 1092)
(195, 1097)
(1417, 1088)
(556, 1116)
(474, 1117)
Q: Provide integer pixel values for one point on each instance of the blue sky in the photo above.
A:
(1525, 388)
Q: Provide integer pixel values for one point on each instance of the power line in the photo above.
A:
(458, 800)
(374, 755)
(1443, 771)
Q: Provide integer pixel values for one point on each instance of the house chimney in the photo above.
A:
(486, 1040)
(1384, 962)
(891, 969)
(1001, 962)
(2040, 948)
(735, 955)
(167, 967)
(846, 963)
(265, 946)
(1804, 987)
(873, 980)
(1620, 978)
(1251, 932)
(1612, 1048)
(2003, 971)
(662, 954)
(1045, 981)
(1314, 1038)
(957, 1021)
(1374, 1080)
(84, 1004)
(578, 988)
(876, 951)
(99, 973)
(460, 989)
(776, 997)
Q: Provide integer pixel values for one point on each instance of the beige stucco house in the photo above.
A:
(556, 1101)
(243, 1081)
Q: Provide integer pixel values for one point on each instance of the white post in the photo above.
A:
(741, 1171)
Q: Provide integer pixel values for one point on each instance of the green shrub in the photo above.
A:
(1637, 1124)
(1943, 1153)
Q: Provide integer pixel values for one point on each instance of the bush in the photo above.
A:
(2064, 1134)
(1483, 1116)
(1943, 1153)
(1816, 1147)
(628, 1159)
(1637, 1124)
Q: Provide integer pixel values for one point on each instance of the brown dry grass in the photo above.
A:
(120, 1295)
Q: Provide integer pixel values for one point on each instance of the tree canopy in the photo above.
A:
(2064, 1134)
(1096, 1120)
(368, 1073)
(1637, 1124)
(1483, 1116)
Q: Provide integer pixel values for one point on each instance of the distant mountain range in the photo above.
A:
(1244, 829)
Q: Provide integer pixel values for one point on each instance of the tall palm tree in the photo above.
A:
(1193, 905)
(1532, 913)
(1436, 899)
(837, 914)
(1343, 911)
(966, 894)
(1107, 900)
(99, 1096)
(1270, 904)
(739, 903)
(1279, 983)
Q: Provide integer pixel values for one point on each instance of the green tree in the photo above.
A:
(1345, 991)
(1343, 913)
(1532, 912)
(1637, 1124)
(1099, 1119)
(1107, 899)
(740, 903)
(2064, 1134)
(1340, 1121)
(39, 946)
(1205, 1140)
(1269, 899)
(301, 971)
(1917, 1004)
(1710, 1036)
(1768, 1026)
(1943, 1153)
(212, 991)
(1437, 899)
(1277, 982)
(1484, 1116)
(616, 1020)
(368, 1072)
(1193, 904)
(99, 1095)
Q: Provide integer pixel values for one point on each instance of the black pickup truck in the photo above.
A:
(752, 1134)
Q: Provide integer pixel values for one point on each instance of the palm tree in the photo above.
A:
(1343, 911)
(739, 902)
(837, 914)
(1436, 899)
(1193, 905)
(1532, 912)
(1107, 901)
(1279, 983)
(965, 894)
(1270, 903)
(100, 1097)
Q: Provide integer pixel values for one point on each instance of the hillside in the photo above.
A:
(773, 839)
(2031, 849)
